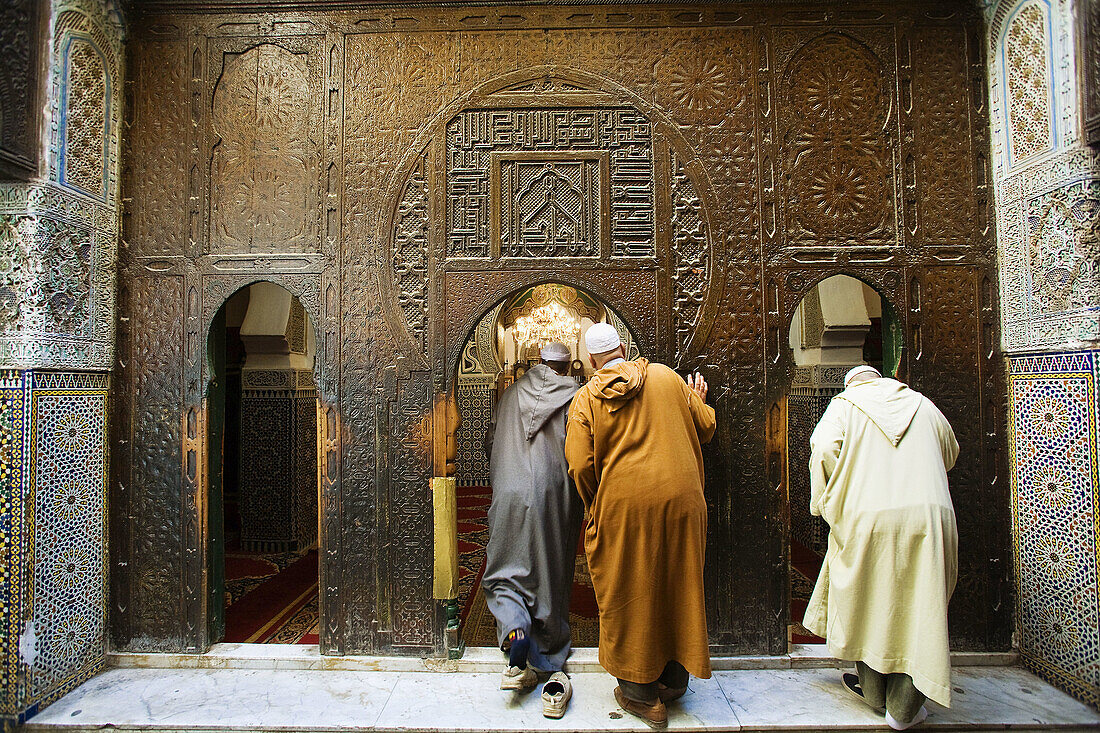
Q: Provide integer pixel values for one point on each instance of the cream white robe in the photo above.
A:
(878, 475)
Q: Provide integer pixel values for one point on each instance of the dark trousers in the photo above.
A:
(894, 691)
(674, 676)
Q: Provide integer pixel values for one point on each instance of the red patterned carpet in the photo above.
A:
(271, 598)
(478, 625)
(805, 566)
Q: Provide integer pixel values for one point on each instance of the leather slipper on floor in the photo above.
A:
(851, 684)
(668, 694)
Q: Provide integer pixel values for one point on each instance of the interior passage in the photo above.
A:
(263, 497)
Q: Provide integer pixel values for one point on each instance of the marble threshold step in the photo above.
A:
(475, 659)
(277, 700)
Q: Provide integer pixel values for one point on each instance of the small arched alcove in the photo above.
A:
(262, 497)
(500, 348)
(839, 323)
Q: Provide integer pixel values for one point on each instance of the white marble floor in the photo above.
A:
(222, 700)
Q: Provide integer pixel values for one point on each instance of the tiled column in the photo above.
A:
(53, 479)
(1054, 404)
(1048, 235)
(59, 222)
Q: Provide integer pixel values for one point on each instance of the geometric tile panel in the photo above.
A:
(69, 480)
(476, 397)
(1056, 510)
(53, 488)
(803, 413)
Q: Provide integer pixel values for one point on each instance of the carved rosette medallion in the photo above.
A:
(836, 157)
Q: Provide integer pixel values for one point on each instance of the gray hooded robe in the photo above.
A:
(534, 517)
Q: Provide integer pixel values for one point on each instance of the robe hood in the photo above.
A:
(886, 402)
(616, 385)
(542, 392)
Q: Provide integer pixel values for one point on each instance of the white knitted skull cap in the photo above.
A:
(601, 338)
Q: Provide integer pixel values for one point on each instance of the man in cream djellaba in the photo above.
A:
(879, 459)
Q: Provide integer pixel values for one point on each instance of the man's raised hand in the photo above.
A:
(698, 385)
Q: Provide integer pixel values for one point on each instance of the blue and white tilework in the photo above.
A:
(1056, 510)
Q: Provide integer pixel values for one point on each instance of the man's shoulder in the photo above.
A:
(582, 397)
(660, 371)
(663, 376)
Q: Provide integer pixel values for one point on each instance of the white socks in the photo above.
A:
(918, 718)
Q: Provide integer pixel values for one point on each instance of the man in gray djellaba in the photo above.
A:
(534, 523)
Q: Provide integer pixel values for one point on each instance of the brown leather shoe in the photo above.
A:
(655, 715)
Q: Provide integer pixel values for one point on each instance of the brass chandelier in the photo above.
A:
(550, 322)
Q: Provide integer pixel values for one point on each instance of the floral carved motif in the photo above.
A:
(261, 167)
(698, 84)
(1064, 248)
(835, 150)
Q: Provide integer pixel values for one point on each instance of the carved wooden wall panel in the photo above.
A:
(945, 213)
(148, 549)
(158, 146)
(834, 107)
(263, 183)
(20, 76)
(1088, 40)
(697, 169)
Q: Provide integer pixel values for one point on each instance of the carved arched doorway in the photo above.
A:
(544, 175)
(494, 355)
(839, 322)
(262, 493)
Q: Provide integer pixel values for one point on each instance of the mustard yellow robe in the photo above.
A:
(633, 447)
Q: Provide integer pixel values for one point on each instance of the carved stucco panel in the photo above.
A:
(1063, 229)
(1028, 75)
(85, 148)
(57, 276)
